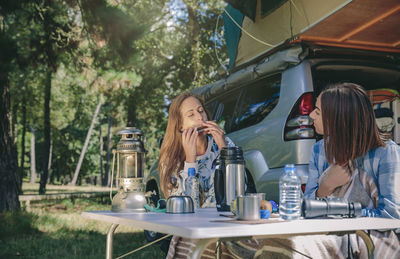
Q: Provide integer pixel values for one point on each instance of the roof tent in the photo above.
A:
(259, 27)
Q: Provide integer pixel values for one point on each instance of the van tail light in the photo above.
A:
(299, 124)
(303, 187)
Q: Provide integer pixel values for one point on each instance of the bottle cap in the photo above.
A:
(289, 167)
(191, 172)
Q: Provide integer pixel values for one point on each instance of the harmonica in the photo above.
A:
(199, 129)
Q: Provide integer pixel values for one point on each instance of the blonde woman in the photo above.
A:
(191, 141)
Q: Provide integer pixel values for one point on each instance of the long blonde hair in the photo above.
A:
(172, 155)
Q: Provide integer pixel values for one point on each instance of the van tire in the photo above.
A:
(152, 236)
(152, 187)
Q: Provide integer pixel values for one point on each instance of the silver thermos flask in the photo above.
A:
(229, 177)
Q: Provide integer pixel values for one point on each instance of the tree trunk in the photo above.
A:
(14, 131)
(101, 154)
(107, 173)
(8, 161)
(33, 156)
(78, 167)
(22, 161)
(194, 28)
(46, 149)
(50, 158)
(14, 128)
(132, 120)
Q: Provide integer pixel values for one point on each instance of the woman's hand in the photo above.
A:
(189, 141)
(336, 176)
(218, 134)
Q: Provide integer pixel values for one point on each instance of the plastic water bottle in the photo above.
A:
(289, 194)
(192, 187)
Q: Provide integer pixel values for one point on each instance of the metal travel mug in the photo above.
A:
(234, 182)
(229, 178)
(248, 207)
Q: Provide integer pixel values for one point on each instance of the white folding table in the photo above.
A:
(205, 225)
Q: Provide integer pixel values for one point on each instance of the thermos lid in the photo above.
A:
(232, 153)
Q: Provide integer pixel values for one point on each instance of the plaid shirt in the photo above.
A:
(382, 164)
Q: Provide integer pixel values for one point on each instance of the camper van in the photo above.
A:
(264, 103)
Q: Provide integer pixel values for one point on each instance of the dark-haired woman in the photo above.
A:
(352, 162)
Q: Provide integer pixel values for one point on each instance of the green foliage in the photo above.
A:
(134, 56)
(108, 23)
(6, 43)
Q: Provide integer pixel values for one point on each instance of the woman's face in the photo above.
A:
(317, 117)
(193, 113)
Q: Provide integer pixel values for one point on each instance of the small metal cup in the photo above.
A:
(248, 207)
(260, 195)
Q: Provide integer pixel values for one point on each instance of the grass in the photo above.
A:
(55, 229)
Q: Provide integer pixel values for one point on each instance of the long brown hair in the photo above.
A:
(348, 119)
(172, 155)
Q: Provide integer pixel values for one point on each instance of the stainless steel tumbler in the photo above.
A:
(234, 181)
(248, 207)
(229, 179)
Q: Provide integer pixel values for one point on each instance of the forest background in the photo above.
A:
(70, 66)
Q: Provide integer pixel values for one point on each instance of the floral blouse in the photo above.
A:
(205, 168)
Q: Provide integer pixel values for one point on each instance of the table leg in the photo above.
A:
(368, 242)
(201, 245)
(218, 250)
(109, 244)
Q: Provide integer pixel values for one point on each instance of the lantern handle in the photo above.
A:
(112, 173)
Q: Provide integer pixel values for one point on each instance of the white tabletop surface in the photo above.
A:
(200, 225)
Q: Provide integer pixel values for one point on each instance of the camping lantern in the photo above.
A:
(130, 166)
